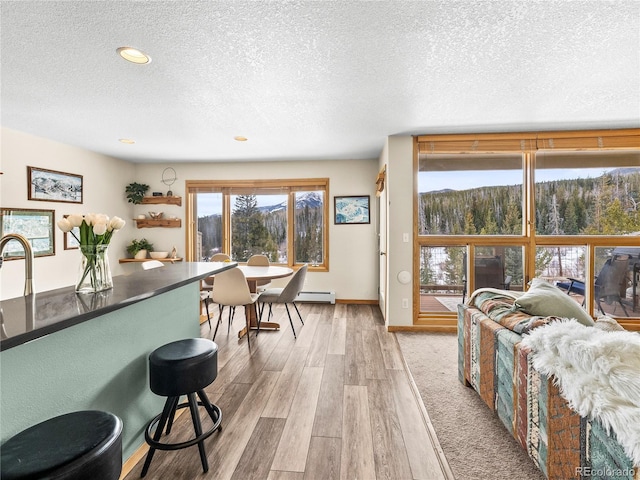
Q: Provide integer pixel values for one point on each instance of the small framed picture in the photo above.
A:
(70, 242)
(351, 210)
(35, 225)
(53, 186)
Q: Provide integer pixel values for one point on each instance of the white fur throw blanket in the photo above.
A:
(597, 372)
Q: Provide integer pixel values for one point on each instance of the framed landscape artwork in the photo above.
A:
(53, 186)
(35, 225)
(351, 210)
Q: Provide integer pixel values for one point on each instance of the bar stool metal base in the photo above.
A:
(166, 418)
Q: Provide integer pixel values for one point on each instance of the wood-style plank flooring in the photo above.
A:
(337, 403)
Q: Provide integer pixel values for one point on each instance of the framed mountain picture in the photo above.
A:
(351, 210)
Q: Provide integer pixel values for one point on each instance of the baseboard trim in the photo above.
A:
(423, 328)
(359, 302)
(133, 460)
(140, 453)
(633, 325)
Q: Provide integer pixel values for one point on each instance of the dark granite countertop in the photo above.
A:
(39, 314)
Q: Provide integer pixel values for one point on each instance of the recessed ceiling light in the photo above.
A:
(133, 55)
(240, 138)
(128, 141)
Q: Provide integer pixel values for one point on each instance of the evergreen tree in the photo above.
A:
(513, 264)
(210, 228)
(427, 276)
(455, 267)
(249, 235)
(562, 207)
(513, 220)
(490, 225)
(469, 226)
(571, 217)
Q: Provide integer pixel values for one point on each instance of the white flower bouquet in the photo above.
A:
(95, 232)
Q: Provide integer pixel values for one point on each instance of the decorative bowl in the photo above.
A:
(159, 255)
(156, 215)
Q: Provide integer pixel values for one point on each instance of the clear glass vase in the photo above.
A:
(95, 273)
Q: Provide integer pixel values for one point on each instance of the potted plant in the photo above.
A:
(135, 192)
(139, 248)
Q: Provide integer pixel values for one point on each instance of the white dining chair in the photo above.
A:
(231, 289)
(260, 261)
(206, 284)
(286, 295)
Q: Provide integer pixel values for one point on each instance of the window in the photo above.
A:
(442, 277)
(209, 225)
(467, 195)
(496, 210)
(587, 193)
(285, 220)
(259, 226)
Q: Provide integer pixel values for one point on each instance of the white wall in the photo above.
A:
(104, 181)
(400, 191)
(353, 260)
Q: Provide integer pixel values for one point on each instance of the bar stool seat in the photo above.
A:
(184, 367)
(74, 446)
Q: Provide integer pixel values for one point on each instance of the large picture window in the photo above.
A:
(285, 220)
(587, 193)
(496, 210)
(466, 195)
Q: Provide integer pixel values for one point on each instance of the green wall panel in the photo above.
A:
(100, 364)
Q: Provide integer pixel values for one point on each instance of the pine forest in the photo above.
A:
(606, 205)
(263, 230)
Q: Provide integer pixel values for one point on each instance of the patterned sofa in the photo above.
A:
(491, 359)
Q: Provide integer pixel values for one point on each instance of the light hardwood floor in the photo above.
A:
(337, 403)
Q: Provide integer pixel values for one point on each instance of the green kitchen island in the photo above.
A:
(63, 352)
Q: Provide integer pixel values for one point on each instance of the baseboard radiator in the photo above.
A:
(317, 297)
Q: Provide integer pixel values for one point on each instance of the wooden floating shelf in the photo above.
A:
(163, 222)
(139, 260)
(163, 200)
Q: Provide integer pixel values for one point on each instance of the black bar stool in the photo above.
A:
(184, 367)
(74, 446)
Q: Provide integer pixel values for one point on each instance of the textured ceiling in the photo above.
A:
(312, 80)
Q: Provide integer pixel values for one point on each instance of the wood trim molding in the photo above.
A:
(268, 186)
(133, 460)
(632, 324)
(453, 328)
(529, 141)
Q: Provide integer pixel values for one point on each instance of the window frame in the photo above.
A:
(258, 187)
(529, 144)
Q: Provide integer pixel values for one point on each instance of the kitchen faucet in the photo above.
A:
(28, 259)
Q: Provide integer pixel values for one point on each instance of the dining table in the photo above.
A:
(253, 274)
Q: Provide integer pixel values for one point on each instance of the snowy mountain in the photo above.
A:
(310, 199)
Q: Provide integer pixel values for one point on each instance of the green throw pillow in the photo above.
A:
(545, 300)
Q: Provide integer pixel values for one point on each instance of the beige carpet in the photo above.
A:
(473, 439)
